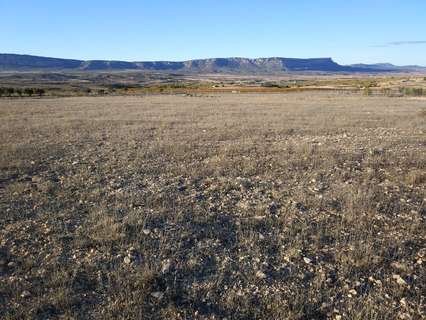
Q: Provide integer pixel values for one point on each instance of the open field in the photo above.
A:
(305, 205)
(66, 84)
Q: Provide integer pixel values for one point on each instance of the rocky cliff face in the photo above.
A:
(16, 62)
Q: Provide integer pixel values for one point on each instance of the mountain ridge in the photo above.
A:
(22, 62)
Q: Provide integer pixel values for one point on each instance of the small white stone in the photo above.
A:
(399, 280)
(157, 295)
(307, 260)
(166, 265)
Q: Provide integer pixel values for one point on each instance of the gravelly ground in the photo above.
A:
(295, 206)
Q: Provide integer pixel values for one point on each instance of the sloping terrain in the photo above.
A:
(390, 67)
(282, 206)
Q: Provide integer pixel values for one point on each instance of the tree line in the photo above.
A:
(29, 92)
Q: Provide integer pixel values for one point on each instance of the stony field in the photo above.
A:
(236, 206)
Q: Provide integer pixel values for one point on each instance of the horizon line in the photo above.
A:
(194, 59)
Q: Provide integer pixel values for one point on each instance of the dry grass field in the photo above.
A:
(307, 205)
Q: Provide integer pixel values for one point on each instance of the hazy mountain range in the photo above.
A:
(17, 62)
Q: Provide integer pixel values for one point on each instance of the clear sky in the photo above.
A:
(349, 31)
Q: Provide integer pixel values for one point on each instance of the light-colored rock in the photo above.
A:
(399, 280)
(157, 295)
(307, 260)
(166, 266)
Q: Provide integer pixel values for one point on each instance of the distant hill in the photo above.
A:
(16, 62)
(389, 67)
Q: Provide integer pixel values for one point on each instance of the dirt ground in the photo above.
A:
(307, 205)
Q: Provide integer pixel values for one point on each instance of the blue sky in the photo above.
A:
(349, 31)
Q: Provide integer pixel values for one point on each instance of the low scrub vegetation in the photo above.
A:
(416, 92)
(20, 92)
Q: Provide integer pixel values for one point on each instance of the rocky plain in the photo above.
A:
(306, 205)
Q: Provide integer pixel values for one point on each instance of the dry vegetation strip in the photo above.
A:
(296, 206)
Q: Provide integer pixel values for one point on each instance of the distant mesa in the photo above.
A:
(18, 62)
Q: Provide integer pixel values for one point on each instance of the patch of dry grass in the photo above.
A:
(251, 206)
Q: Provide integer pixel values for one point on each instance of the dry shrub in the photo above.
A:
(104, 227)
(416, 177)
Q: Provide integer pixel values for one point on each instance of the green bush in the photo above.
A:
(417, 92)
(10, 91)
(20, 92)
(40, 92)
(270, 85)
(29, 91)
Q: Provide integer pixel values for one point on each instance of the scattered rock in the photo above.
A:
(399, 266)
(157, 295)
(307, 260)
(399, 280)
(376, 151)
(273, 207)
(166, 266)
(353, 292)
(299, 206)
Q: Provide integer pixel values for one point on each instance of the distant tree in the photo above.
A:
(29, 91)
(10, 91)
(40, 92)
(19, 92)
(2, 91)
